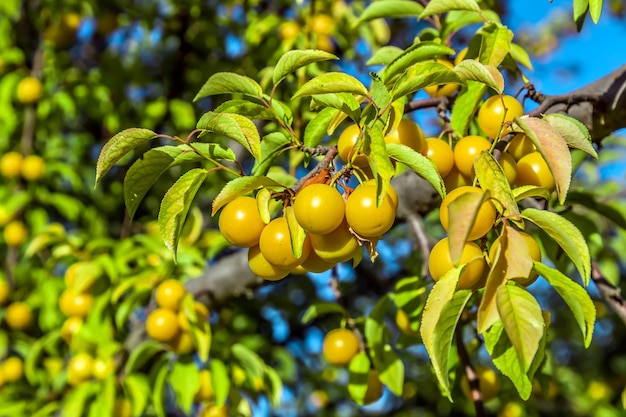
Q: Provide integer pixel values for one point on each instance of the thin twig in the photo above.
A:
(331, 153)
(421, 239)
(472, 377)
(611, 294)
(425, 103)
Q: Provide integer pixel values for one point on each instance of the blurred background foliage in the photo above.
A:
(109, 65)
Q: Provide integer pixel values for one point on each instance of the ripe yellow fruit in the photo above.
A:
(440, 152)
(456, 179)
(75, 304)
(532, 169)
(79, 369)
(319, 208)
(520, 146)
(442, 89)
(314, 263)
(33, 168)
(205, 391)
(169, 294)
(346, 143)
(509, 166)
(340, 346)
(182, 343)
(495, 111)
(512, 409)
(407, 133)
(12, 369)
(240, 222)
(485, 217)
(262, 268)
(364, 216)
(162, 325)
(488, 381)
(19, 316)
(29, 90)
(11, 164)
(5, 292)
(275, 245)
(466, 150)
(440, 262)
(15, 233)
(337, 246)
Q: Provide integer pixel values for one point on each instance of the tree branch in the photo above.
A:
(612, 295)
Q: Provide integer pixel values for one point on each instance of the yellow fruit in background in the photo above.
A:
(182, 343)
(12, 369)
(509, 166)
(512, 409)
(79, 369)
(5, 292)
(11, 164)
(70, 327)
(340, 346)
(442, 89)
(346, 143)
(322, 24)
(169, 294)
(407, 133)
(339, 245)
(15, 233)
(403, 323)
(532, 169)
(162, 325)
(318, 399)
(288, 31)
(19, 316)
(33, 167)
(520, 146)
(488, 382)
(75, 304)
(325, 43)
(456, 179)
(205, 391)
(440, 152)
(29, 90)
(497, 110)
(102, 368)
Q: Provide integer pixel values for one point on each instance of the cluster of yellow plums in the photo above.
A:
(75, 302)
(168, 323)
(335, 228)
(340, 346)
(320, 25)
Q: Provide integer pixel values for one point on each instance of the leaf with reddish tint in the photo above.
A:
(554, 150)
(487, 311)
(462, 216)
(519, 262)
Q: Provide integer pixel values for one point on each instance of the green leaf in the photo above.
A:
(234, 126)
(439, 321)
(221, 381)
(495, 45)
(380, 93)
(344, 102)
(275, 387)
(240, 186)
(292, 60)
(320, 308)
(317, 129)
(554, 150)
(472, 70)
(359, 369)
(419, 52)
(272, 146)
(118, 146)
(184, 379)
(465, 106)
(443, 6)
(77, 400)
(159, 377)
(463, 211)
(595, 9)
(491, 177)
(390, 9)
(422, 75)
(176, 204)
(384, 55)
(530, 191)
(458, 19)
(575, 133)
(145, 172)
(576, 298)
(246, 108)
(296, 232)
(137, 389)
(331, 82)
(141, 355)
(590, 201)
(520, 55)
(379, 160)
(390, 369)
(566, 235)
(522, 320)
(229, 83)
(423, 166)
(250, 361)
(410, 295)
